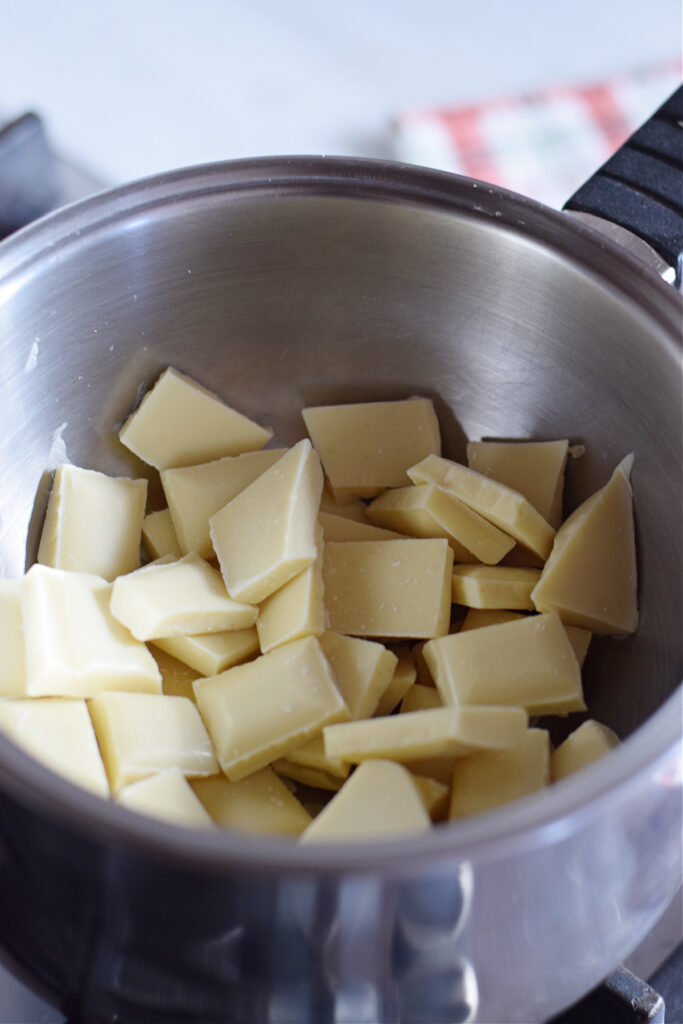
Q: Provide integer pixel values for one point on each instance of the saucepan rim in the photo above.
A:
(541, 818)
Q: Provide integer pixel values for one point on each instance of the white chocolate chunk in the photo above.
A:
(337, 528)
(211, 653)
(317, 778)
(295, 610)
(403, 678)
(528, 662)
(494, 586)
(74, 645)
(580, 640)
(159, 536)
(141, 734)
(259, 803)
(174, 598)
(267, 534)
(176, 677)
(166, 795)
(507, 509)
(181, 423)
(435, 796)
(476, 618)
(534, 468)
(590, 577)
(389, 588)
(428, 511)
(12, 655)
(195, 493)
(370, 445)
(490, 778)
(260, 711)
(363, 670)
(583, 746)
(438, 732)
(311, 762)
(354, 509)
(420, 698)
(380, 801)
(58, 733)
(93, 523)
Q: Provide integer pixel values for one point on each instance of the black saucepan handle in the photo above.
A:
(641, 187)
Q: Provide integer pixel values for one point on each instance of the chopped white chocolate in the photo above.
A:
(420, 698)
(494, 586)
(166, 795)
(260, 711)
(435, 796)
(195, 493)
(175, 598)
(176, 677)
(401, 681)
(349, 510)
(336, 528)
(476, 618)
(211, 653)
(428, 511)
(583, 746)
(388, 588)
(507, 509)
(267, 534)
(295, 610)
(74, 645)
(58, 733)
(590, 578)
(380, 801)
(368, 446)
(93, 523)
(490, 778)
(329, 772)
(181, 423)
(317, 778)
(534, 468)
(362, 669)
(438, 732)
(141, 734)
(12, 655)
(423, 674)
(260, 803)
(159, 536)
(528, 662)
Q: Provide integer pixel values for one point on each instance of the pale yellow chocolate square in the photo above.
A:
(379, 801)
(534, 468)
(267, 534)
(195, 493)
(93, 523)
(260, 711)
(528, 662)
(211, 653)
(583, 746)
(509, 510)
(58, 733)
(166, 795)
(494, 586)
(491, 778)
(181, 423)
(438, 732)
(159, 536)
(141, 734)
(390, 588)
(74, 645)
(428, 511)
(590, 578)
(403, 678)
(174, 598)
(368, 446)
(12, 654)
(259, 803)
(362, 669)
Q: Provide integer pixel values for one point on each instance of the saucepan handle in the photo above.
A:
(640, 188)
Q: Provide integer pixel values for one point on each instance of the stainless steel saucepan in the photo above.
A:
(281, 283)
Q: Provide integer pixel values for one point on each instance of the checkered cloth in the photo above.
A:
(543, 144)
